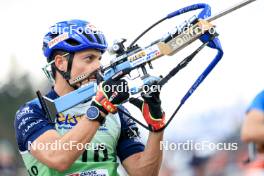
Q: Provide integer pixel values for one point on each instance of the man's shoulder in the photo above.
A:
(30, 122)
(124, 118)
(129, 127)
(32, 106)
(129, 142)
(28, 108)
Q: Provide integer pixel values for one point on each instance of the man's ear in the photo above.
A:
(61, 62)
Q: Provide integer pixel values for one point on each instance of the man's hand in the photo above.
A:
(110, 94)
(151, 108)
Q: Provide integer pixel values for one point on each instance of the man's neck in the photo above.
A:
(62, 88)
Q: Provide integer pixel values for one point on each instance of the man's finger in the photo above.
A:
(136, 102)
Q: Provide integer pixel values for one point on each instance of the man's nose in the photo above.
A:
(96, 65)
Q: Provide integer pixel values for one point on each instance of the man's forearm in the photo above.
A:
(255, 134)
(62, 157)
(80, 134)
(150, 160)
(253, 129)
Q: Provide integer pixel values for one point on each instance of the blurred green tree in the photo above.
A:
(15, 91)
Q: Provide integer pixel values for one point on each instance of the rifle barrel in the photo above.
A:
(229, 10)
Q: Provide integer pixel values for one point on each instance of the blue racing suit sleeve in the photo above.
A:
(30, 123)
(257, 103)
(129, 142)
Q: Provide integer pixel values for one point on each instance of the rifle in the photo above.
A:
(134, 57)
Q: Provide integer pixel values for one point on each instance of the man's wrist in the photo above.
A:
(93, 114)
(92, 121)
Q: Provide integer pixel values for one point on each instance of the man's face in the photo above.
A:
(86, 61)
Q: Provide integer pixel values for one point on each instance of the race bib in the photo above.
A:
(94, 172)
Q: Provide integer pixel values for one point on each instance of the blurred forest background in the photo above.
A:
(14, 92)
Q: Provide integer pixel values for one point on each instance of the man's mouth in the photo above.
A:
(92, 78)
(84, 78)
(89, 79)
